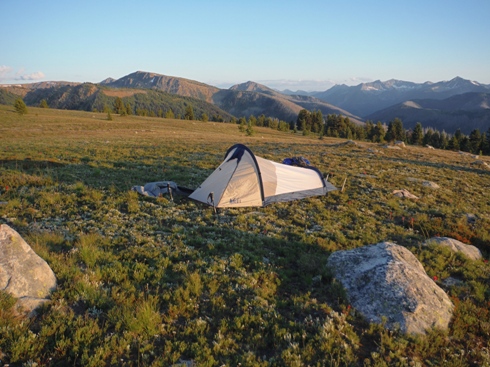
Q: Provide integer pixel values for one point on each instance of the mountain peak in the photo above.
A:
(251, 87)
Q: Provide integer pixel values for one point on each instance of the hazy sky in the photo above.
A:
(305, 44)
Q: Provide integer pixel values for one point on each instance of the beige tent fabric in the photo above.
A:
(269, 176)
(245, 180)
(216, 183)
(287, 178)
(244, 188)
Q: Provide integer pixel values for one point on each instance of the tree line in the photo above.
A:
(335, 125)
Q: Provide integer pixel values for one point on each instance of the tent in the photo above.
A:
(244, 180)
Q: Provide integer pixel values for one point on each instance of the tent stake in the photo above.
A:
(343, 185)
(169, 189)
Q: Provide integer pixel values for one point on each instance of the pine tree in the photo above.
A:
(475, 141)
(250, 129)
(417, 134)
(242, 124)
(129, 110)
(43, 104)
(453, 143)
(189, 113)
(395, 131)
(169, 114)
(302, 122)
(119, 106)
(20, 106)
(379, 133)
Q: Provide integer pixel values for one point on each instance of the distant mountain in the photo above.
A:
(169, 84)
(253, 98)
(298, 92)
(445, 105)
(366, 98)
(244, 99)
(467, 111)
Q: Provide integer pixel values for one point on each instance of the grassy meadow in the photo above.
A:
(156, 282)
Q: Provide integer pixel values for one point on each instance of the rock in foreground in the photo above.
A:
(387, 281)
(23, 273)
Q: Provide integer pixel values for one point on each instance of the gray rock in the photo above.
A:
(403, 193)
(387, 281)
(471, 252)
(23, 273)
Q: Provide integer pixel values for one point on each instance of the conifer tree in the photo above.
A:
(129, 110)
(379, 133)
(20, 106)
(395, 131)
(119, 106)
(475, 141)
(169, 114)
(417, 134)
(189, 113)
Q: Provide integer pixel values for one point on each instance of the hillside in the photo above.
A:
(167, 281)
(240, 100)
(367, 98)
(253, 98)
(89, 97)
(466, 111)
(173, 85)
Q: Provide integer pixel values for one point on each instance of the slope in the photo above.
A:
(466, 111)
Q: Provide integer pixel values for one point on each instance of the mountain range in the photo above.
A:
(367, 98)
(446, 105)
(240, 100)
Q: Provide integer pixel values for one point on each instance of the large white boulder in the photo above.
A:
(23, 273)
(386, 280)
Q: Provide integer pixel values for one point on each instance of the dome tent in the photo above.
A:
(245, 180)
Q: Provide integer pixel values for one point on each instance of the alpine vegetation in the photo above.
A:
(171, 281)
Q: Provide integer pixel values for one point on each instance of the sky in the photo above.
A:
(306, 45)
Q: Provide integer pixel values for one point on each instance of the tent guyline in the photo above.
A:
(246, 180)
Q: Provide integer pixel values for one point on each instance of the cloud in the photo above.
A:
(33, 76)
(354, 80)
(294, 85)
(4, 71)
(7, 74)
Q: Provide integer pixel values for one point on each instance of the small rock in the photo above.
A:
(430, 184)
(471, 218)
(387, 146)
(404, 194)
(471, 252)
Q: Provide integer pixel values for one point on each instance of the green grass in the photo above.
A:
(152, 282)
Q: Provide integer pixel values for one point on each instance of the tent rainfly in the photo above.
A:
(245, 180)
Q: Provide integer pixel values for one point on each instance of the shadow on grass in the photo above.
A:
(121, 176)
